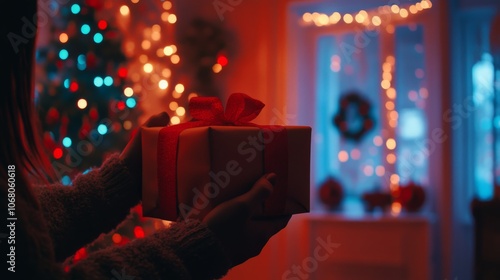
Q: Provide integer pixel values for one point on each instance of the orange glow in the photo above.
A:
(175, 59)
(403, 13)
(172, 18)
(179, 88)
(167, 5)
(394, 179)
(390, 144)
(124, 10)
(343, 156)
(175, 120)
(348, 18)
(395, 9)
(173, 106)
(396, 208)
(393, 115)
(217, 68)
(391, 158)
(335, 17)
(307, 17)
(385, 84)
(180, 111)
(389, 105)
(63, 38)
(391, 93)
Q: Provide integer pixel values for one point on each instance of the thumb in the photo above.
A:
(259, 192)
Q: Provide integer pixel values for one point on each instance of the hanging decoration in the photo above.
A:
(331, 193)
(411, 197)
(383, 15)
(354, 118)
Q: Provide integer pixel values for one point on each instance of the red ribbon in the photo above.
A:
(208, 111)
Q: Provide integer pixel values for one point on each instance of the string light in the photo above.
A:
(364, 17)
(82, 103)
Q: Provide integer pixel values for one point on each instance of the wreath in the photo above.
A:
(354, 118)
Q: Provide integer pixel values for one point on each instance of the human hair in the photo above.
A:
(19, 127)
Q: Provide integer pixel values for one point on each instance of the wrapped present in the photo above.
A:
(190, 168)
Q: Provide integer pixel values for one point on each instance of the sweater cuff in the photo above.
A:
(119, 182)
(119, 187)
(199, 249)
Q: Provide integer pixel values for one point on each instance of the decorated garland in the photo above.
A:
(354, 118)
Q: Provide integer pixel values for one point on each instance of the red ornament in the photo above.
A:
(58, 153)
(96, 4)
(91, 60)
(120, 105)
(122, 72)
(93, 114)
(222, 60)
(73, 86)
(102, 24)
(331, 193)
(412, 197)
(52, 116)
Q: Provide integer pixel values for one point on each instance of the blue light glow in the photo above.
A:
(67, 142)
(85, 29)
(98, 38)
(82, 59)
(87, 171)
(66, 83)
(98, 81)
(66, 180)
(75, 9)
(131, 102)
(102, 129)
(63, 54)
(108, 81)
(412, 124)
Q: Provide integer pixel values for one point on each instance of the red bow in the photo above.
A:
(240, 109)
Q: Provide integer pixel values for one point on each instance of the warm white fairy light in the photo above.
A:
(374, 17)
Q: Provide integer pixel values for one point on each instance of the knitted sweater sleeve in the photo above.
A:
(187, 250)
(95, 203)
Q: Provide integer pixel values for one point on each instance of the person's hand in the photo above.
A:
(132, 154)
(234, 225)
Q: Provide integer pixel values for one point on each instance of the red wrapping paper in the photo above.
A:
(190, 168)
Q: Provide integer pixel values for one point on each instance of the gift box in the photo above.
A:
(190, 168)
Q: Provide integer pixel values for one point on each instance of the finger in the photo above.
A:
(259, 192)
(158, 120)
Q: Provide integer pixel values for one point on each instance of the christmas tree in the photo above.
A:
(87, 108)
(85, 111)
